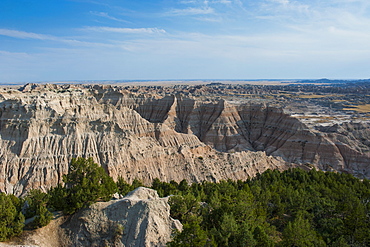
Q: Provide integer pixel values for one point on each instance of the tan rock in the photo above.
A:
(139, 219)
(41, 132)
(145, 136)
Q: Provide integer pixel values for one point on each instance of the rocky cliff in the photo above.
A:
(146, 136)
(42, 128)
(257, 127)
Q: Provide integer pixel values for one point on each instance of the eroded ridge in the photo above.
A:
(147, 136)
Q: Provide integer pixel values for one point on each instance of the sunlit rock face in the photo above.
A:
(146, 136)
(234, 128)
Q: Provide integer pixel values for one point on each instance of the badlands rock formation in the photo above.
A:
(234, 128)
(141, 219)
(43, 127)
(146, 136)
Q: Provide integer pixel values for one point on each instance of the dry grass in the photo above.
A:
(316, 117)
(283, 94)
(358, 108)
(312, 96)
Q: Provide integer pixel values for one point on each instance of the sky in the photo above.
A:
(61, 40)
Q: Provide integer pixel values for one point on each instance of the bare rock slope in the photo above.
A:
(42, 128)
(257, 127)
(171, 138)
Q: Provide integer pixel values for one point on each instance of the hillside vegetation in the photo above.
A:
(290, 208)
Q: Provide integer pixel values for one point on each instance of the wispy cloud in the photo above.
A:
(126, 30)
(191, 11)
(222, 1)
(285, 6)
(209, 19)
(8, 53)
(29, 35)
(347, 15)
(106, 15)
(239, 38)
(187, 2)
(284, 2)
(25, 35)
(92, 2)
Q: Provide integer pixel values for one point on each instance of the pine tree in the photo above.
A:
(299, 233)
(85, 183)
(11, 219)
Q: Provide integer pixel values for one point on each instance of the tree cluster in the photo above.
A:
(85, 183)
(290, 208)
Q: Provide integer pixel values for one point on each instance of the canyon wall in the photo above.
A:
(43, 128)
(145, 136)
(257, 127)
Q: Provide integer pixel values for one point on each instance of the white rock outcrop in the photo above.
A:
(141, 219)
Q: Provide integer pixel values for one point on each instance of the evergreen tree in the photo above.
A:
(85, 183)
(228, 230)
(11, 219)
(136, 184)
(192, 235)
(299, 233)
(290, 208)
(122, 186)
(37, 201)
(183, 206)
(262, 239)
(245, 237)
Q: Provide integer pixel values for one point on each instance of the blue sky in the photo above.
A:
(56, 40)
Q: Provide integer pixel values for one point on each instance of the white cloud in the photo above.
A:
(14, 54)
(222, 1)
(106, 15)
(295, 7)
(209, 19)
(191, 11)
(205, 2)
(188, 2)
(76, 42)
(196, 55)
(291, 38)
(25, 35)
(126, 30)
(44, 37)
(284, 2)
